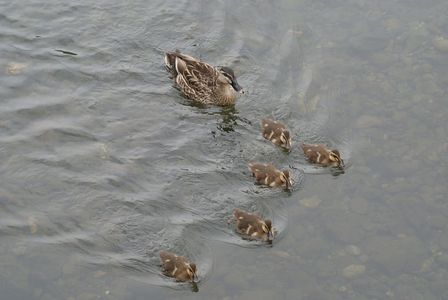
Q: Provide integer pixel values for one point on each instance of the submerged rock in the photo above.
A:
(311, 202)
(281, 253)
(353, 271)
(368, 121)
(14, 68)
(396, 255)
(440, 43)
(353, 250)
(442, 259)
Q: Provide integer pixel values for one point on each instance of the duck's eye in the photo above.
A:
(228, 77)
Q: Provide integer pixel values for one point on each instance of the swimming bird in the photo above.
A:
(320, 154)
(202, 82)
(269, 175)
(178, 267)
(252, 226)
(276, 132)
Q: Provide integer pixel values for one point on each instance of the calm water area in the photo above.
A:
(104, 163)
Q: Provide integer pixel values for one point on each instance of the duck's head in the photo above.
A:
(231, 78)
(191, 271)
(335, 157)
(285, 139)
(267, 228)
(286, 178)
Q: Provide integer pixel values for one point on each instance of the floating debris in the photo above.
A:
(66, 52)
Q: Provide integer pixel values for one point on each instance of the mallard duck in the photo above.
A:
(269, 175)
(276, 132)
(202, 82)
(178, 267)
(320, 154)
(252, 226)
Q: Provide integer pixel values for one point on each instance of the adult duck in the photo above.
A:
(202, 82)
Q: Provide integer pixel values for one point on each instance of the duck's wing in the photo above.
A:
(196, 71)
(315, 153)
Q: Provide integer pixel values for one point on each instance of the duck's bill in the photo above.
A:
(237, 87)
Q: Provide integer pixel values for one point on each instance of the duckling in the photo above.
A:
(252, 226)
(276, 132)
(269, 175)
(202, 82)
(320, 154)
(178, 267)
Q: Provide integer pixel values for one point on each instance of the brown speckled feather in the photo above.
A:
(269, 175)
(177, 267)
(320, 154)
(200, 81)
(276, 132)
(252, 226)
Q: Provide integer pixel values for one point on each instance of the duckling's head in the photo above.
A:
(231, 78)
(286, 179)
(267, 228)
(285, 139)
(191, 271)
(335, 157)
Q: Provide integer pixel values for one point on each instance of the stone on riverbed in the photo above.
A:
(353, 271)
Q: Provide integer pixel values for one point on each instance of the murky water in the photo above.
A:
(104, 163)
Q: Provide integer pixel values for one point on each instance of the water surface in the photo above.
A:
(104, 163)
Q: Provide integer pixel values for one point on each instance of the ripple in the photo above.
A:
(115, 165)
